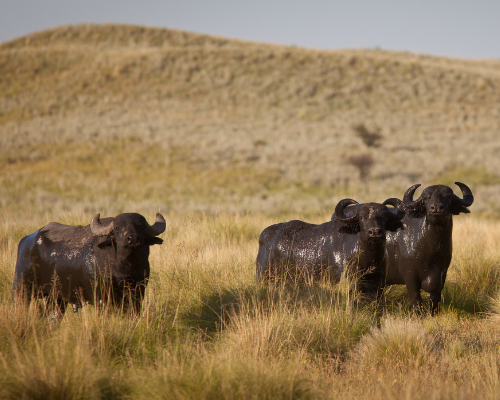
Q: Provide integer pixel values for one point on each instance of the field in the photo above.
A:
(225, 138)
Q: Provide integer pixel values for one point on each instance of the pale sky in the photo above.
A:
(454, 28)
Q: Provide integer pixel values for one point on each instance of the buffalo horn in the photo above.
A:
(466, 192)
(158, 227)
(339, 211)
(399, 207)
(408, 198)
(98, 229)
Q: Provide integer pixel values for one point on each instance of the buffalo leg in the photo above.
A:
(61, 305)
(435, 302)
(413, 289)
(54, 308)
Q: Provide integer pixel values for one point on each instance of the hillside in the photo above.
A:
(210, 122)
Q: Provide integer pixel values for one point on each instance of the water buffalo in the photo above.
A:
(355, 241)
(75, 263)
(419, 254)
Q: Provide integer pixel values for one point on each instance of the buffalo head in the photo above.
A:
(371, 220)
(438, 202)
(129, 230)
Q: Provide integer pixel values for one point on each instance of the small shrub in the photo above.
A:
(363, 163)
(371, 139)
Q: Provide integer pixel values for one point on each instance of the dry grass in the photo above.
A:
(226, 138)
(208, 331)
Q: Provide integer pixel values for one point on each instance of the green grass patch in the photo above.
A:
(471, 175)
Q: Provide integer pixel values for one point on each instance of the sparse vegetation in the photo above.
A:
(210, 104)
(226, 138)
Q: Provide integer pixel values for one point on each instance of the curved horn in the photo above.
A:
(98, 229)
(467, 193)
(408, 198)
(398, 205)
(339, 211)
(158, 227)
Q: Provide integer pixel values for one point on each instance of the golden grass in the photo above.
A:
(207, 330)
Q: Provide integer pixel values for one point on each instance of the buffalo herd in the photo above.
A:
(408, 243)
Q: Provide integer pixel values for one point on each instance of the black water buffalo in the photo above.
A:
(420, 253)
(81, 263)
(355, 241)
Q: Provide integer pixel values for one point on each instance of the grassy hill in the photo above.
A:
(245, 125)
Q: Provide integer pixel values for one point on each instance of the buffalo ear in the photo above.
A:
(151, 240)
(457, 208)
(106, 241)
(352, 229)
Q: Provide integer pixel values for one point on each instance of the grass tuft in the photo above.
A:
(402, 344)
(56, 369)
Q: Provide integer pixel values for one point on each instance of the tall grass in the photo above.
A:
(208, 331)
(474, 274)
